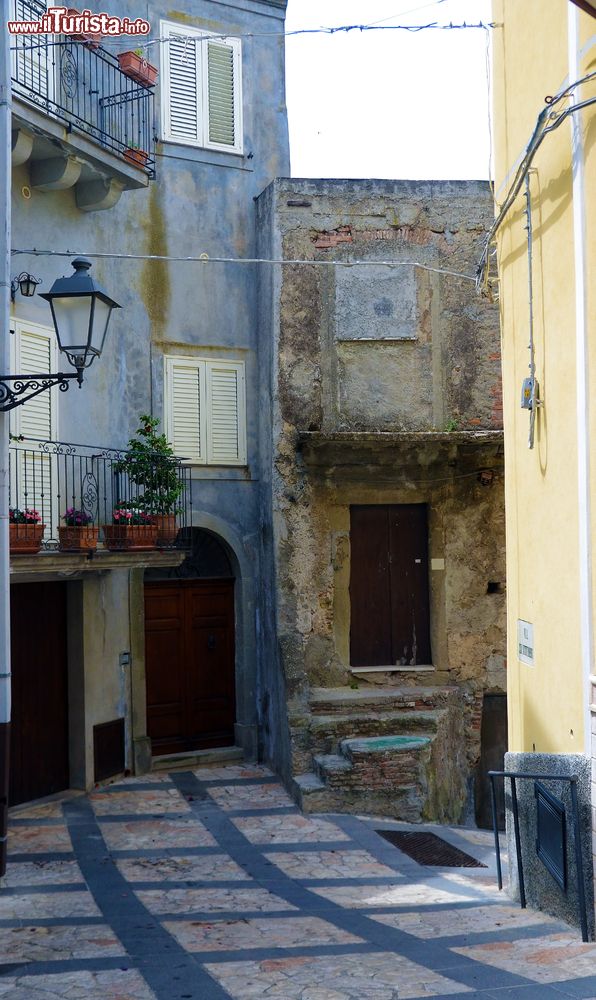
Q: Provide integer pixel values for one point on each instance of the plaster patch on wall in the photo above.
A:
(372, 305)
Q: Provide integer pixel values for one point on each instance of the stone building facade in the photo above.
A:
(386, 466)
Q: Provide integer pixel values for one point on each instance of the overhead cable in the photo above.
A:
(207, 259)
(548, 120)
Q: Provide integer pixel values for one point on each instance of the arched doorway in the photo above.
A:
(190, 650)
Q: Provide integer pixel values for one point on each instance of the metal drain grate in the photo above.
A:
(428, 849)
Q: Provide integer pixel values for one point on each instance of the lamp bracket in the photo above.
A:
(25, 387)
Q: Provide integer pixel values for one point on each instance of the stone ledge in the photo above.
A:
(71, 564)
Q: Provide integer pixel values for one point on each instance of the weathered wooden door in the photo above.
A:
(189, 659)
(389, 586)
(39, 730)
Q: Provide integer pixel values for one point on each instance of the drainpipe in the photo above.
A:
(5, 166)
(582, 380)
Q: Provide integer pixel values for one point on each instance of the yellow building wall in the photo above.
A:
(547, 700)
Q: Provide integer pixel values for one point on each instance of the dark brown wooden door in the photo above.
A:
(39, 730)
(189, 657)
(389, 585)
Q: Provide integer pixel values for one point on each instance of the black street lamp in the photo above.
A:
(81, 311)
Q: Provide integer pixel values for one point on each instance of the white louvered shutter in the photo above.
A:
(226, 420)
(186, 408)
(34, 472)
(181, 88)
(36, 357)
(222, 76)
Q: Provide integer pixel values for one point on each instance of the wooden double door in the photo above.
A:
(190, 664)
(389, 603)
(39, 729)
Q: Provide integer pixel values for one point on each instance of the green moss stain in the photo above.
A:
(155, 279)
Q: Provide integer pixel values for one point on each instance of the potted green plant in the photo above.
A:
(78, 533)
(131, 530)
(25, 531)
(153, 468)
(134, 64)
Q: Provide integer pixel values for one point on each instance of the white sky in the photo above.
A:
(388, 103)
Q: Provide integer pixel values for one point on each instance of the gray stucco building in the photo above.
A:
(103, 163)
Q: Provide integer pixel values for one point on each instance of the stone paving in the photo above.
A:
(210, 884)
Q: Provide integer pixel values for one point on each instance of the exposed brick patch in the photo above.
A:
(496, 417)
(376, 234)
(327, 240)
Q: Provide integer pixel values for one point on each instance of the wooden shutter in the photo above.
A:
(222, 76)
(181, 87)
(36, 355)
(34, 472)
(185, 408)
(226, 419)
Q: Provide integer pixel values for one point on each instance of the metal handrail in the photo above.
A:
(513, 776)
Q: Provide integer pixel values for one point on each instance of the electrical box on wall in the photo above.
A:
(528, 393)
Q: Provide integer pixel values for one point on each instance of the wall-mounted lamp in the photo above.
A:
(25, 283)
(81, 311)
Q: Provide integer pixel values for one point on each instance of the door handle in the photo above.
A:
(211, 642)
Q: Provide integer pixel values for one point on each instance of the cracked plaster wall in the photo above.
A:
(384, 350)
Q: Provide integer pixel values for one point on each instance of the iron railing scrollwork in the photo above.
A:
(84, 87)
(52, 476)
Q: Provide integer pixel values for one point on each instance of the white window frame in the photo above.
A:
(204, 368)
(202, 142)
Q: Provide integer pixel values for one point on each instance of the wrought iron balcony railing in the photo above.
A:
(83, 87)
(50, 477)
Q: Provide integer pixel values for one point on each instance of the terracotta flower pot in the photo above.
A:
(137, 68)
(138, 157)
(25, 539)
(78, 538)
(130, 537)
(91, 38)
(166, 529)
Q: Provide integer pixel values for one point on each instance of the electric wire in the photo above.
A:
(207, 259)
(548, 120)
(147, 43)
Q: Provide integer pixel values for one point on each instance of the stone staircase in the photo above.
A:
(396, 752)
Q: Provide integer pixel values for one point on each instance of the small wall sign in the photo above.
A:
(525, 642)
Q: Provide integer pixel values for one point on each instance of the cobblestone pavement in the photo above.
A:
(210, 884)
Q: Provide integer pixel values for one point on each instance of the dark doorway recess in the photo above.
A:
(39, 730)
(428, 849)
(389, 586)
(190, 664)
(493, 747)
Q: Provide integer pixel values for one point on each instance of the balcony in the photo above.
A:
(78, 120)
(49, 477)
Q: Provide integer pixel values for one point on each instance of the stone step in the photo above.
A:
(358, 748)
(333, 769)
(350, 701)
(198, 758)
(314, 796)
(327, 731)
(379, 764)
